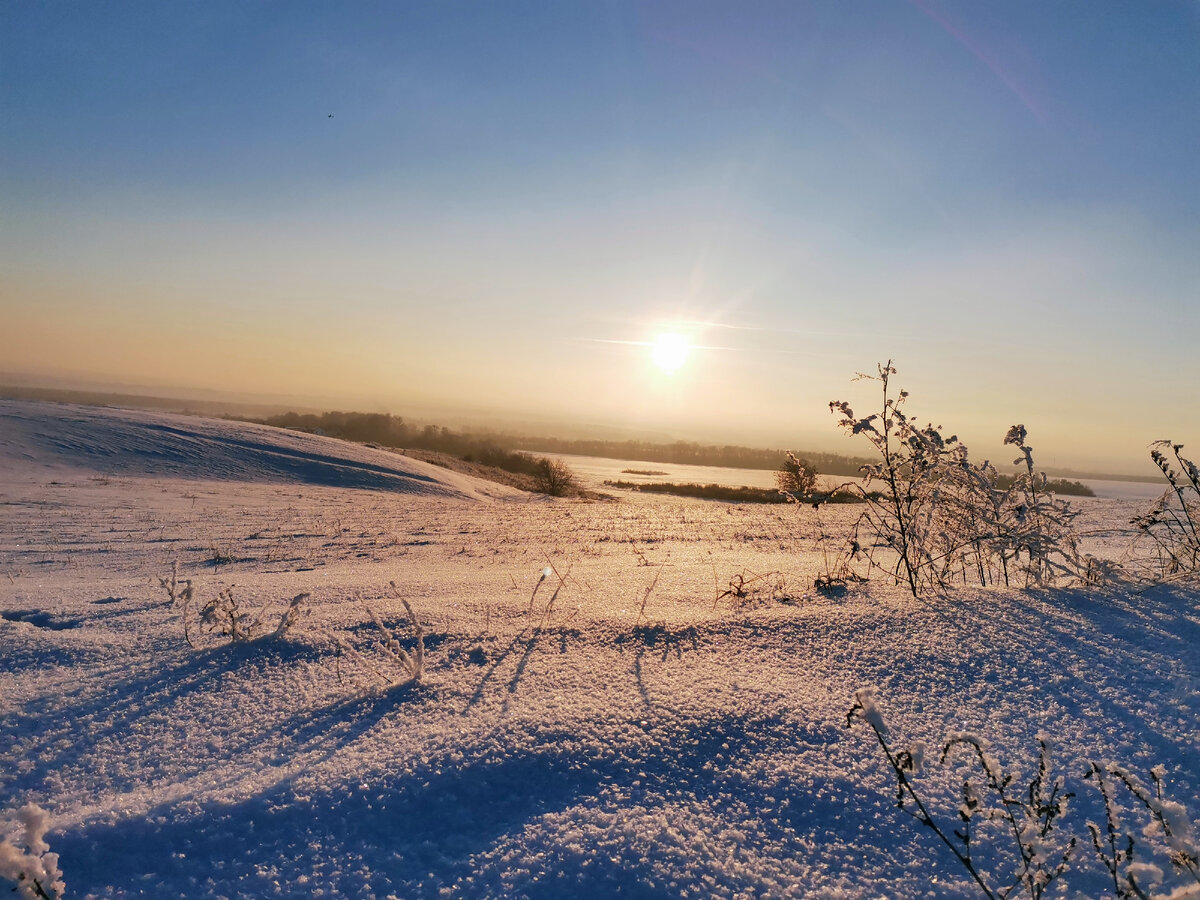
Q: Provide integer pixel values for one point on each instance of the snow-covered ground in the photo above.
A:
(598, 746)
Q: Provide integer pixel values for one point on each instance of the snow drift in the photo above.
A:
(141, 443)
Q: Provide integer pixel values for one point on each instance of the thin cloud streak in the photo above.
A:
(993, 65)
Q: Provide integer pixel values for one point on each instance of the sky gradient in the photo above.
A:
(495, 208)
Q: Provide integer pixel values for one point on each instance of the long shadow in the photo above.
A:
(415, 832)
(1038, 653)
(109, 715)
(477, 694)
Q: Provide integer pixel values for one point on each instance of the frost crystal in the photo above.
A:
(35, 870)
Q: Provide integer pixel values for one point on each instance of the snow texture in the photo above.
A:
(587, 748)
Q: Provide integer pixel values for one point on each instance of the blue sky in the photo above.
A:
(511, 200)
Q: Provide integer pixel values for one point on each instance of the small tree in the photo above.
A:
(553, 477)
(796, 476)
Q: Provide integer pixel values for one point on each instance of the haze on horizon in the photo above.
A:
(506, 207)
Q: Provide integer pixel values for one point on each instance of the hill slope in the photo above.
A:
(144, 443)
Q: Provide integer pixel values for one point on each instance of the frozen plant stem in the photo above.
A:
(1031, 817)
(1116, 848)
(902, 764)
(33, 871)
(179, 596)
(649, 591)
(1172, 522)
(562, 580)
(412, 665)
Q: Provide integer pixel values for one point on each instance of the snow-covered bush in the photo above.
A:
(1008, 838)
(939, 518)
(33, 871)
(1173, 522)
(797, 477)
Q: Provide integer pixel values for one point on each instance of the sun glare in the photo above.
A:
(670, 351)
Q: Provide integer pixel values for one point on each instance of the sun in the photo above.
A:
(670, 351)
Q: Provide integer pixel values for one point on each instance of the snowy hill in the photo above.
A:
(141, 443)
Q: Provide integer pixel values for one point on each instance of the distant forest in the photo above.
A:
(393, 431)
(497, 449)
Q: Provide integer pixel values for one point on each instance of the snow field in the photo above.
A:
(693, 751)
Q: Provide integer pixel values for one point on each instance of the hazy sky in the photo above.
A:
(498, 206)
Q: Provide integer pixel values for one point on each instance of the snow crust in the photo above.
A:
(676, 747)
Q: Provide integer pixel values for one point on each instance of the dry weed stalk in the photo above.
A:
(411, 665)
(549, 608)
(1173, 522)
(745, 583)
(649, 590)
(1028, 842)
(180, 596)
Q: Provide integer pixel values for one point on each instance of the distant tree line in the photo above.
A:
(549, 476)
(491, 448)
(1053, 485)
(695, 454)
(392, 431)
(499, 449)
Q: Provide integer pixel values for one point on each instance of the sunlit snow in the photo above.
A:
(581, 738)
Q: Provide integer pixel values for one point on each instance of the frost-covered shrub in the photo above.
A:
(1010, 526)
(33, 871)
(411, 666)
(903, 516)
(1173, 522)
(223, 614)
(796, 476)
(939, 518)
(1008, 837)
